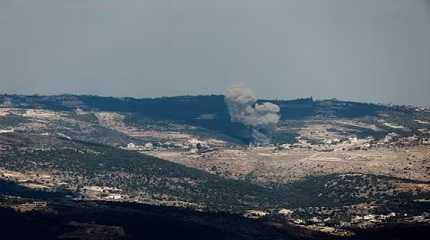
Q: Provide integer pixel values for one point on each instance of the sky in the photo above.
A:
(368, 50)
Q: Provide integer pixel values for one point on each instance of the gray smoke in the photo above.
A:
(262, 118)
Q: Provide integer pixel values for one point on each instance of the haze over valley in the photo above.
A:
(235, 120)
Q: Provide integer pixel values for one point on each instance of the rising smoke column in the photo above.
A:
(262, 118)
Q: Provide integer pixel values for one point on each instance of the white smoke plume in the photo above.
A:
(243, 108)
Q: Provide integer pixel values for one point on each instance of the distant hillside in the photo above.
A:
(186, 108)
(209, 111)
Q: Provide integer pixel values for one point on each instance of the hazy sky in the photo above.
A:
(364, 50)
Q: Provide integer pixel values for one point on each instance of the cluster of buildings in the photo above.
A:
(102, 192)
(354, 143)
(333, 224)
(394, 139)
(192, 145)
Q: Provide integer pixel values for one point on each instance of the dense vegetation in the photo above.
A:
(135, 172)
(108, 220)
(347, 189)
